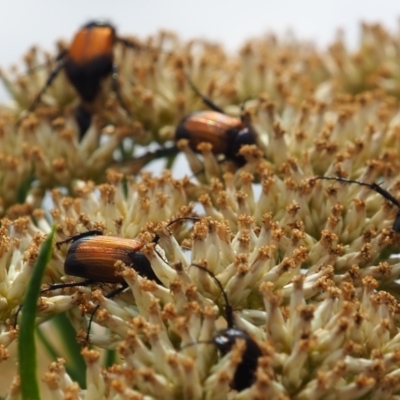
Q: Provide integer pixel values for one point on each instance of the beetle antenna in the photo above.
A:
(73, 238)
(376, 188)
(206, 100)
(157, 237)
(228, 307)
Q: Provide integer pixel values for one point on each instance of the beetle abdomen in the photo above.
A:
(87, 80)
(209, 126)
(90, 43)
(245, 371)
(90, 59)
(94, 257)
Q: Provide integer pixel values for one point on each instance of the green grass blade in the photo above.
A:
(50, 349)
(75, 366)
(110, 358)
(27, 360)
(24, 188)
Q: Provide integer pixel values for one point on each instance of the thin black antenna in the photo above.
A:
(183, 219)
(199, 342)
(228, 307)
(206, 100)
(375, 187)
(157, 237)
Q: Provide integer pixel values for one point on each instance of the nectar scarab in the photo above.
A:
(93, 256)
(226, 134)
(225, 339)
(87, 62)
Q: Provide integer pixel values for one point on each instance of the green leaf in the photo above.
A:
(75, 364)
(24, 188)
(27, 360)
(110, 358)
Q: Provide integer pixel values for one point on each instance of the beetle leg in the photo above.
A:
(206, 100)
(137, 46)
(134, 165)
(129, 43)
(50, 79)
(55, 286)
(116, 89)
(74, 238)
(183, 219)
(16, 315)
(56, 59)
(220, 161)
(110, 295)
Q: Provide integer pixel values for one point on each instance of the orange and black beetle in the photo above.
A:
(226, 134)
(225, 339)
(92, 256)
(87, 61)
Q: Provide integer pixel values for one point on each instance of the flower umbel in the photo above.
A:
(309, 267)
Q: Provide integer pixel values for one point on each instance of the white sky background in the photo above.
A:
(231, 22)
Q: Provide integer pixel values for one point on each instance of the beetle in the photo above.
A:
(225, 339)
(378, 189)
(87, 62)
(93, 255)
(83, 118)
(226, 134)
